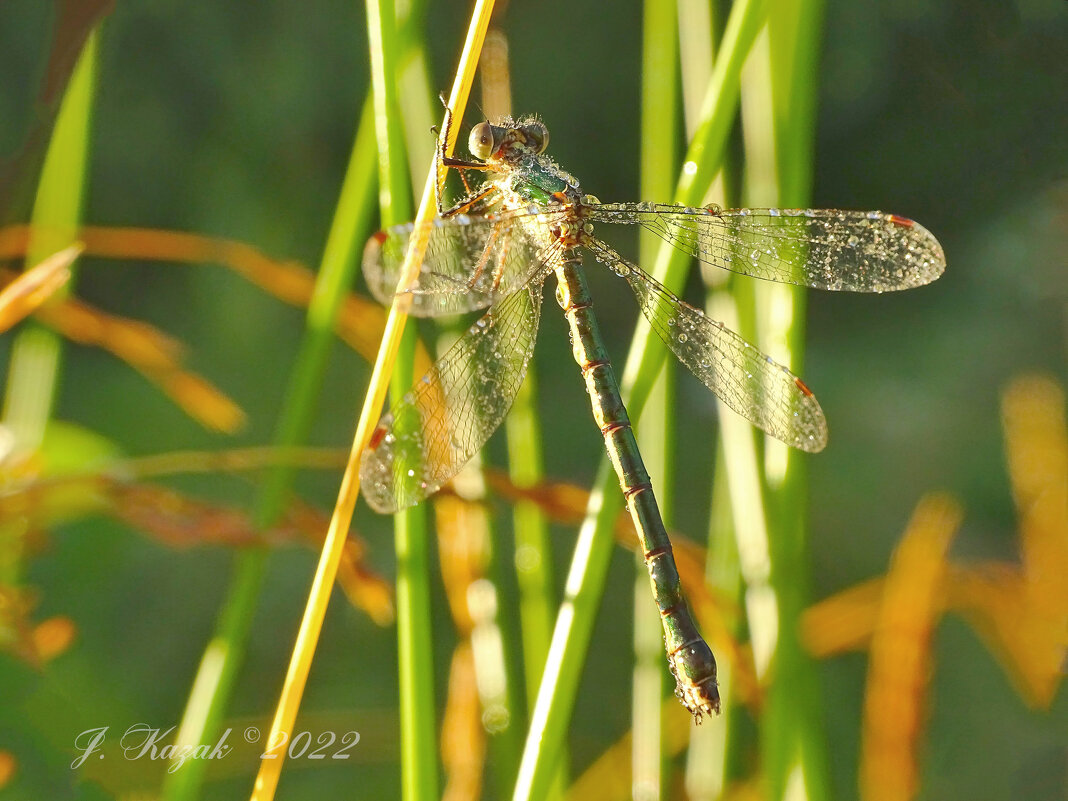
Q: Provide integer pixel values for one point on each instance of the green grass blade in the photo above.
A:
(213, 685)
(418, 723)
(793, 738)
(659, 163)
(415, 647)
(712, 761)
(57, 209)
(533, 554)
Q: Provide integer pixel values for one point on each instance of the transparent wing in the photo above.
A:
(435, 429)
(855, 251)
(471, 261)
(752, 384)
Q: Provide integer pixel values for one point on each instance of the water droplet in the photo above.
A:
(852, 241)
(411, 474)
(690, 168)
(683, 337)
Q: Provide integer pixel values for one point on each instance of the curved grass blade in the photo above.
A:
(752, 384)
(852, 251)
(437, 427)
(471, 262)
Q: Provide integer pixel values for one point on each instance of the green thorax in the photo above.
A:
(541, 182)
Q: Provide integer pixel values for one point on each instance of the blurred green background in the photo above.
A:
(236, 120)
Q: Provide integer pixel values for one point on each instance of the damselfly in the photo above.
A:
(528, 218)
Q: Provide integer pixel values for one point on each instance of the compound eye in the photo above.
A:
(538, 136)
(482, 143)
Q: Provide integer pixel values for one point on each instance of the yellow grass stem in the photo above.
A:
(319, 596)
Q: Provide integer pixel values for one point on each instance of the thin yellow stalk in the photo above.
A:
(319, 595)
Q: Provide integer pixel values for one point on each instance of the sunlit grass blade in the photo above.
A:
(781, 89)
(659, 163)
(716, 758)
(709, 769)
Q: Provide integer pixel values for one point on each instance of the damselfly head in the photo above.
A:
(484, 140)
(508, 141)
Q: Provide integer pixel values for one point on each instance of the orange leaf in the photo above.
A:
(200, 400)
(53, 636)
(8, 767)
(843, 622)
(900, 662)
(1036, 442)
(463, 738)
(33, 287)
